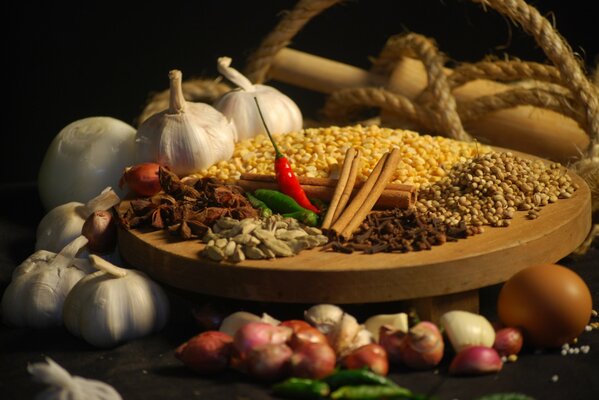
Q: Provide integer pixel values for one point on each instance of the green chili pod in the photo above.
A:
(299, 388)
(306, 217)
(361, 376)
(265, 211)
(371, 392)
(277, 201)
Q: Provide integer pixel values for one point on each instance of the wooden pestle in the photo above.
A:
(528, 129)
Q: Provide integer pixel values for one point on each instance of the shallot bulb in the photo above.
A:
(371, 355)
(209, 352)
(142, 179)
(421, 348)
(268, 362)
(508, 341)
(475, 360)
(258, 333)
(100, 230)
(313, 361)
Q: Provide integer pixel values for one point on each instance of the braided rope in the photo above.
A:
(558, 51)
(260, 61)
(341, 104)
(504, 71)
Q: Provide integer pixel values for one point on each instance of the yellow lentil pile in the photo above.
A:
(319, 152)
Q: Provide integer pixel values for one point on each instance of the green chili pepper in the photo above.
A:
(306, 217)
(371, 392)
(277, 201)
(265, 212)
(299, 388)
(361, 376)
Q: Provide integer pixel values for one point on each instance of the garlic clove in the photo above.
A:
(324, 316)
(465, 329)
(233, 322)
(397, 321)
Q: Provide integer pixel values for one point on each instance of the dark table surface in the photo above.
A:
(147, 369)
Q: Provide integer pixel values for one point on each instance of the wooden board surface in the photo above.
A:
(316, 276)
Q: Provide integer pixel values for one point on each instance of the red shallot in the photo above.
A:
(313, 361)
(142, 179)
(258, 333)
(100, 230)
(209, 352)
(476, 360)
(371, 355)
(508, 341)
(268, 362)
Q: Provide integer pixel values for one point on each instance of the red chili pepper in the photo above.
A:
(286, 178)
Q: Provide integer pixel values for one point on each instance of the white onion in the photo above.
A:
(85, 157)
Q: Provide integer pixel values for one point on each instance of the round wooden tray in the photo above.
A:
(317, 276)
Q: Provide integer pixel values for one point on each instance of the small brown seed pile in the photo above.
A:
(401, 230)
(490, 188)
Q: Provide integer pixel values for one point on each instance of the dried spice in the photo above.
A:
(400, 230)
(186, 209)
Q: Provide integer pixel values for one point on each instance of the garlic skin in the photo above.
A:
(341, 329)
(186, 137)
(85, 157)
(64, 223)
(397, 321)
(465, 329)
(66, 386)
(35, 296)
(233, 322)
(114, 305)
(281, 114)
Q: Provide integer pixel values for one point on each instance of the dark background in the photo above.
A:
(70, 61)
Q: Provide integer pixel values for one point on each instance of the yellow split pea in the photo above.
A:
(319, 152)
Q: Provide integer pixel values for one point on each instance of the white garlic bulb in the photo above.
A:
(35, 296)
(62, 224)
(186, 137)
(281, 114)
(84, 158)
(114, 305)
(66, 386)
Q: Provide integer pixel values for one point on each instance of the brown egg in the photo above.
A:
(551, 304)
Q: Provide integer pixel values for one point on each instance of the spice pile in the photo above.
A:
(187, 210)
(401, 231)
(488, 189)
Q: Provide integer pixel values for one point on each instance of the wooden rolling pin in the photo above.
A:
(394, 195)
(525, 128)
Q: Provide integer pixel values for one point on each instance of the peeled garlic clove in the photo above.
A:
(186, 137)
(343, 335)
(467, 329)
(233, 322)
(324, 317)
(281, 114)
(397, 321)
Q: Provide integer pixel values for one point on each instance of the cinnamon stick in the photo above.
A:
(394, 195)
(357, 201)
(386, 174)
(344, 187)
